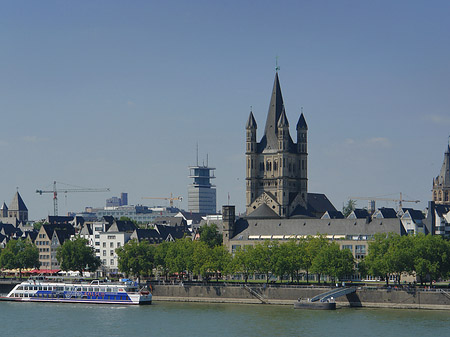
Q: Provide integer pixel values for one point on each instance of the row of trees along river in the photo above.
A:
(428, 257)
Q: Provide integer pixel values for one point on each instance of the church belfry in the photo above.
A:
(276, 167)
(441, 184)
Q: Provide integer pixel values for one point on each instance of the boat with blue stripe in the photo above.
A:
(37, 290)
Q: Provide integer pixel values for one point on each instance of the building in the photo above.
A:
(49, 239)
(276, 167)
(16, 210)
(139, 213)
(441, 184)
(117, 201)
(202, 193)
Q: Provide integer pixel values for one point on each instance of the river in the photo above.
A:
(202, 319)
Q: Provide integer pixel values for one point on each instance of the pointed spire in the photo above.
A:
(251, 123)
(17, 203)
(444, 175)
(301, 124)
(273, 115)
(283, 122)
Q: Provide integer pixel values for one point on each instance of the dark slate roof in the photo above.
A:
(49, 229)
(31, 235)
(301, 124)
(4, 207)
(195, 217)
(86, 229)
(269, 141)
(319, 203)
(386, 213)
(62, 235)
(283, 121)
(122, 226)
(59, 219)
(108, 218)
(151, 235)
(17, 203)
(414, 213)
(301, 212)
(251, 123)
(286, 227)
(263, 211)
(175, 232)
(333, 215)
(170, 221)
(444, 176)
(10, 230)
(441, 210)
(359, 213)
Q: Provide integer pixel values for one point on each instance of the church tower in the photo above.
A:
(276, 167)
(441, 184)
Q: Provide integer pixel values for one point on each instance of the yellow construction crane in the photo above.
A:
(55, 192)
(171, 199)
(400, 200)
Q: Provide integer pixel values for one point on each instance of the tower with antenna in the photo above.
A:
(201, 192)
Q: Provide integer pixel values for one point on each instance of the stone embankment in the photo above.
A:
(413, 298)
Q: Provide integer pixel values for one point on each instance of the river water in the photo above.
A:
(202, 319)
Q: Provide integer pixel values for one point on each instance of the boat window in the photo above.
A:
(96, 289)
(85, 289)
(108, 290)
(90, 289)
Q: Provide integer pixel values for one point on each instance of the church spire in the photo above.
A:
(301, 124)
(276, 106)
(251, 123)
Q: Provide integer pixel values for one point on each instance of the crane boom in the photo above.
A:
(55, 192)
(400, 200)
(171, 199)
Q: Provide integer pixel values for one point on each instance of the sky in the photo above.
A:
(118, 94)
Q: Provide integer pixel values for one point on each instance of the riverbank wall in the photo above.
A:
(370, 297)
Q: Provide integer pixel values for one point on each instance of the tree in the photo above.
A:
(210, 235)
(77, 255)
(160, 258)
(19, 254)
(136, 258)
(263, 256)
(242, 262)
(349, 207)
(221, 260)
(313, 246)
(377, 259)
(179, 256)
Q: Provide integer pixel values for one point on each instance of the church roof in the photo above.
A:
(246, 227)
(263, 211)
(443, 178)
(301, 124)
(251, 123)
(17, 203)
(4, 207)
(282, 122)
(270, 139)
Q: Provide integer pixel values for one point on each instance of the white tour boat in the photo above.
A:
(43, 290)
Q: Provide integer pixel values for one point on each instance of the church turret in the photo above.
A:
(302, 135)
(251, 156)
(251, 133)
(283, 132)
(441, 184)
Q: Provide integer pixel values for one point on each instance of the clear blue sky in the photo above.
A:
(117, 94)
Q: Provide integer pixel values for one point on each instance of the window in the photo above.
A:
(104, 244)
(112, 261)
(111, 244)
(111, 253)
(118, 244)
(350, 247)
(104, 252)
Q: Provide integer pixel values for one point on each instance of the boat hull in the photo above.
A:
(315, 305)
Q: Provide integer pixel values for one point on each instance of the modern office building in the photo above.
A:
(201, 193)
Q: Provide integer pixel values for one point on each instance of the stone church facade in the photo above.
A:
(276, 167)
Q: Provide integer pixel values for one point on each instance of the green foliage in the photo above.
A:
(77, 255)
(179, 258)
(19, 254)
(210, 235)
(37, 225)
(349, 207)
(136, 258)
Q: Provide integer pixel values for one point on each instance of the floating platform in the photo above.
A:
(305, 304)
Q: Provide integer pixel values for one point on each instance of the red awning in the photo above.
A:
(44, 271)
